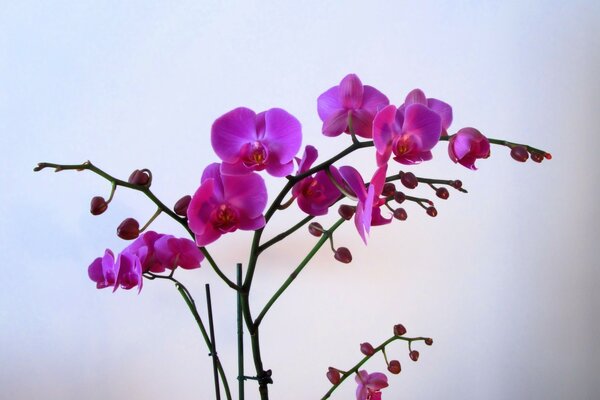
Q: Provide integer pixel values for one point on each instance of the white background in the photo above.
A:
(504, 279)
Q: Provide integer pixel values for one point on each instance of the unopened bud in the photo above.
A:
(548, 156)
(519, 153)
(457, 184)
(431, 211)
(129, 229)
(399, 197)
(182, 204)
(399, 330)
(98, 205)
(315, 229)
(414, 355)
(346, 211)
(409, 180)
(333, 375)
(389, 189)
(367, 349)
(537, 157)
(400, 214)
(139, 177)
(394, 367)
(429, 341)
(343, 255)
(442, 193)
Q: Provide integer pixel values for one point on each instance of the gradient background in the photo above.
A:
(504, 279)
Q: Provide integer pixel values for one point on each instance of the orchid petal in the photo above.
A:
(231, 131)
(351, 92)
(444, 110)
(355, 181)
(415, 96)
(362, 123)
(309, 157)
(329, 103)
(423, 123)
(336, 123)
(384, 128)
(373, 100)
(247, 193)
(283, 134)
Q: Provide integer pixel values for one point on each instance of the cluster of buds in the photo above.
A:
(521, 153)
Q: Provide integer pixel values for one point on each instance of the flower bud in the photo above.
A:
(367, 349)
(399, 197)
(519, 153)
(394, 367)
(431, 211)
(333, 375)
(129, 229)
(414, 355)
(442, 193)
(537, 157)
(409, 180)
(139, 177)
(457, 184)
(548, 156)
(343, 255)
(315, 229)
(182, 204)
(98, 205)
(429, 341)
(389, 189)
(399, 330)
(346, 211)
(400, 214)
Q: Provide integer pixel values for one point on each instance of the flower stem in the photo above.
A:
(240, 335)
(213, 343)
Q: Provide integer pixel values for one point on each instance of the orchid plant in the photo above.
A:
(233, 196)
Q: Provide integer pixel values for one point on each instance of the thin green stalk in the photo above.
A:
(213, 343)
(283, 235)
(240, 335)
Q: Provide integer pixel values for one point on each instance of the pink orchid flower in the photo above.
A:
(350, 101)
(226, 203)
(369, 385)
(315, 194)
(102, 270)
(468, 145)
(368, 212)
(129, 272)
(248, 142)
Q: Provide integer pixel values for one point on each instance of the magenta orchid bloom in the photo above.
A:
(409, 132)
(129, 272)
(315, 194)
(369, 385)
(248, 142)
(102, 270)
(467, 145)
(368, 212)
(444, 110)
(226, 203)
(350, 102)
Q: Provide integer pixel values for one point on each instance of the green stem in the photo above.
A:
(377, 349)
(240, 335)
(283, 235)
(213, 343)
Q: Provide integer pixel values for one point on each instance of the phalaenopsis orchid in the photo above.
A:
(232, 195)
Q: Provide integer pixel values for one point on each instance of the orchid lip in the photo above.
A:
(255, 155)
(225, 218)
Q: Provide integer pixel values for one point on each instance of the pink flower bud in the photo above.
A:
(128, 229)
(414, 355)
(346, 211)
(457, 184)
(394, 367)
(389, 189)
(333, 375)
(537, 157)
(442, 193)
(141, 178)
(367, 349)
(400, 214)
(431, 211)
(315, 229)
(182, 204)
(399, 330)
(98, 205)
(429, 341)
(519, 153)
(399, 197)
(343, 255)
(409, 180)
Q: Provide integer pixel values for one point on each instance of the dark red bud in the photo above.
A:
(315, 229)
(442, 193)
(343, 255)
(409, 180)
(346, 211)
(333, 375)
(367, 349)
(537, 157)
(429, 341)
(98, 205)
(400, 214)
(139, 177)
(129, 229)
(399, 330)
(457, 184)
(182, 204)
(394, 367)
(399, 197)
(414, 355)
(519, 153)
(548, 156)
(431, 211)
(389, 189)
